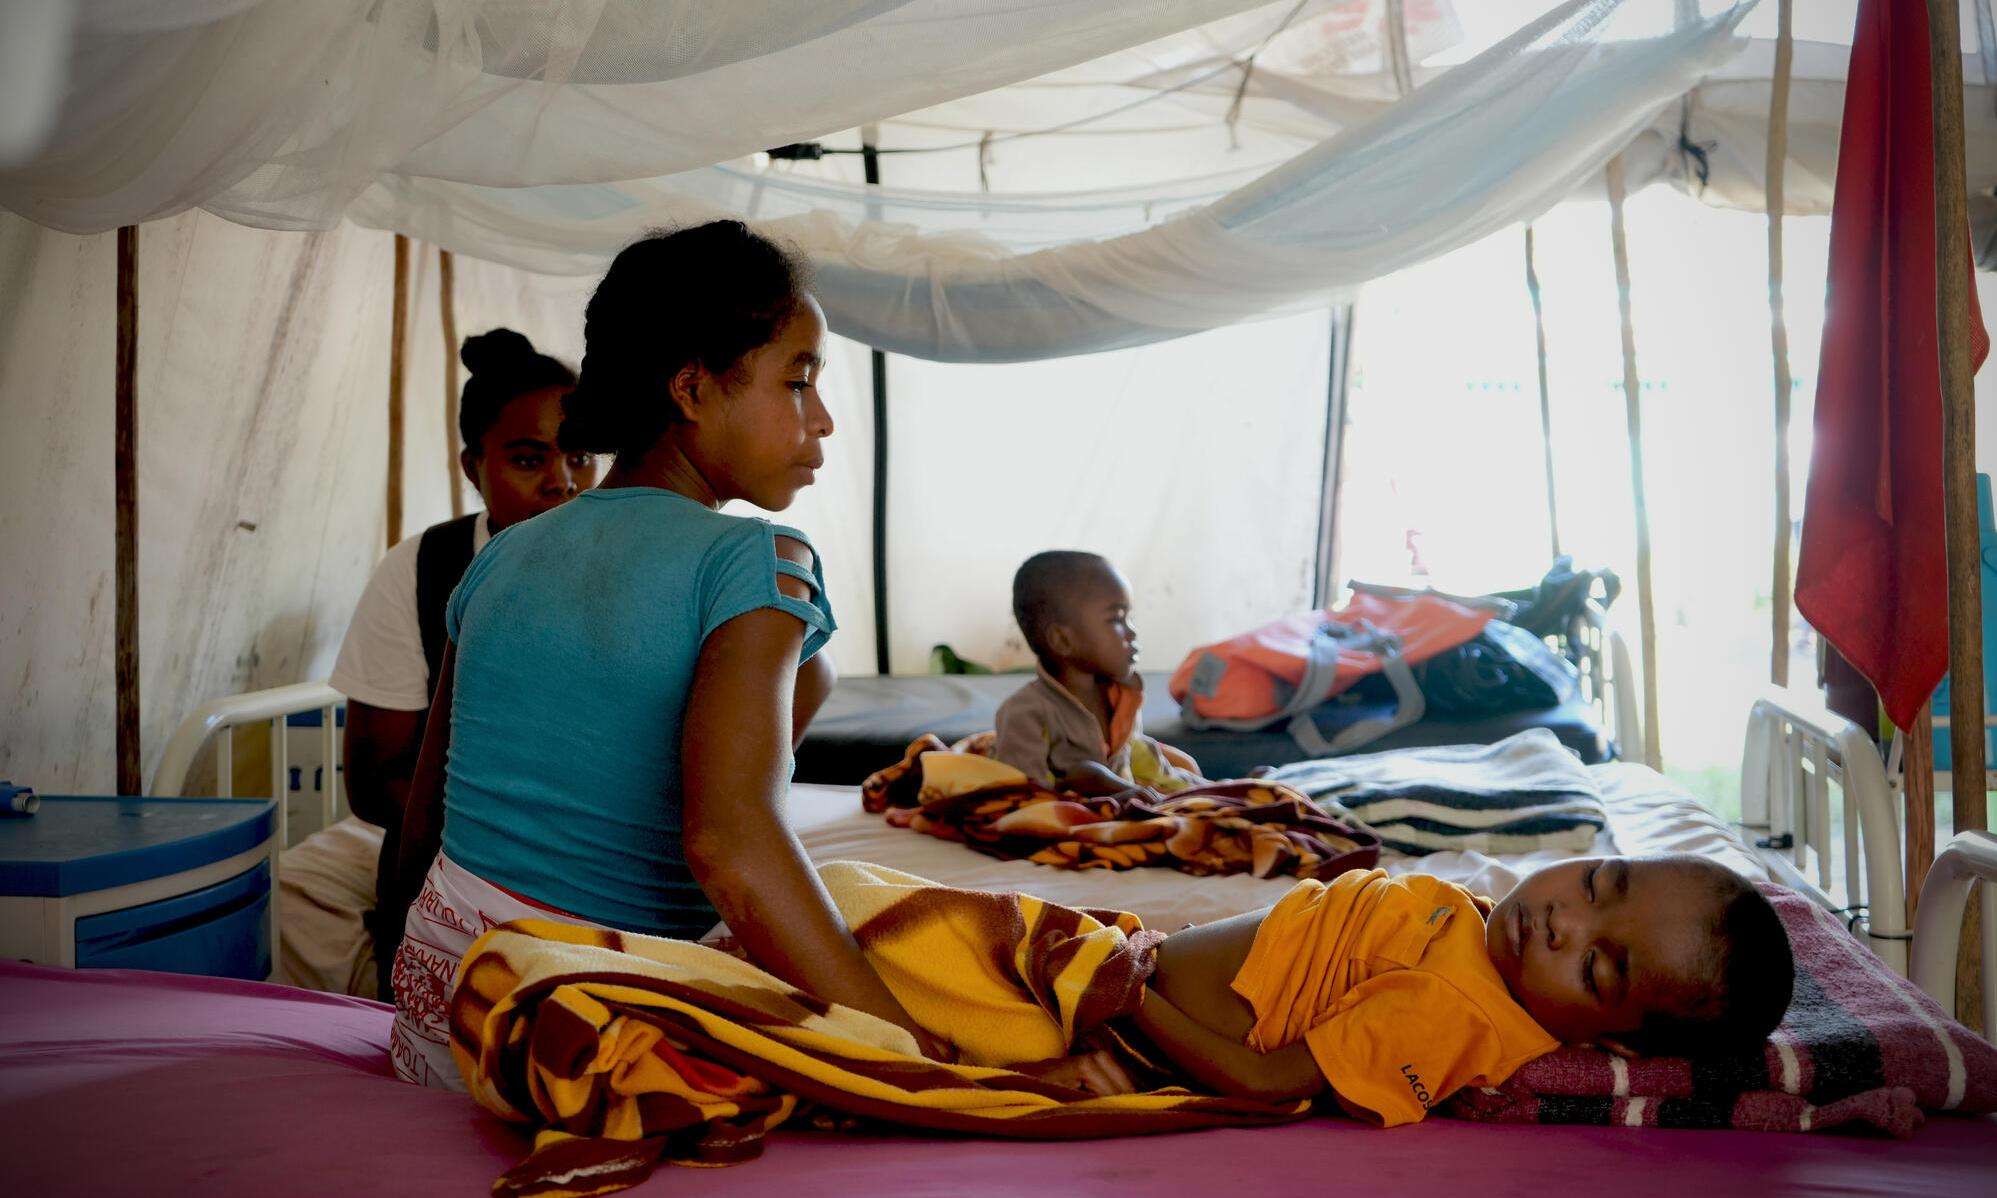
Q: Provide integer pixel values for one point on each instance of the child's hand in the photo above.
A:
(934, 1047)
(1097, 1073)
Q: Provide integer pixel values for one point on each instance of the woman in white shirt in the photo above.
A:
(508, 417)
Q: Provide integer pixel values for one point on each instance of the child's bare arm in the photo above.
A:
(1095, 778)
(1224, 1064)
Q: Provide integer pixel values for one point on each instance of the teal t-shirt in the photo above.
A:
(577, 633)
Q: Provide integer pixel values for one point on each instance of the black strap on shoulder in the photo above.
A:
(441, 558)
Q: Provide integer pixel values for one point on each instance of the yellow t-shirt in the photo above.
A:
(1389, 983)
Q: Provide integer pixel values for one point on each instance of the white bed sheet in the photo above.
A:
(1647, 815)
(327, 880)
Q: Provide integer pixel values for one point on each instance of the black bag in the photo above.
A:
(1549, 608)
(1503, 669)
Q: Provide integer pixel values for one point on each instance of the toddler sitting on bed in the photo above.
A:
(1394, 993)
(1077, 726)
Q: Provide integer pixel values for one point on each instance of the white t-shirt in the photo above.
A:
(381, 660)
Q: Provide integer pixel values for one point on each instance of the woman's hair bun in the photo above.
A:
(499, 350)
(504, 365)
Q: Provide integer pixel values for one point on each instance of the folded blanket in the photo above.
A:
(1860, 1046)
(1524, 794)
(1254, 826)
(623, 1050)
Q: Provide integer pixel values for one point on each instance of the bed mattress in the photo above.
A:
(867, 722)
(1647, 815)
(328, 879)
(116, 1083)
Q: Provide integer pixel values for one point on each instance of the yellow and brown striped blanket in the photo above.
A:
(624, 1050)
(1246, 826)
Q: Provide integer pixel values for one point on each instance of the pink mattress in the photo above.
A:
(129, 1083)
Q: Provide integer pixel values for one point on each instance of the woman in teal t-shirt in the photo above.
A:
(610, 738)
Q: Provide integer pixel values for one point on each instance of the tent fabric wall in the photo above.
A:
(262, 381)
(262, 384)
(1194, 465)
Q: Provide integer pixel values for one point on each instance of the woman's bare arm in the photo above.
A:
(815, 679)
(379, 752)
(423, 813)
(735, 763)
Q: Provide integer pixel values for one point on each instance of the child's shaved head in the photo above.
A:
(1043, 586)
(1664, 956)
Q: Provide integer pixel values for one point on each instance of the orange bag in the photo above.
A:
(1291, 665)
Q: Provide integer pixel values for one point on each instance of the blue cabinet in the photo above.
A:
(221, 930)
(178, 885)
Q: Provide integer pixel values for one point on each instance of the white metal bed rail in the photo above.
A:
(220, 718)
(1969, 858)
(1608, 680)
(1796, 749)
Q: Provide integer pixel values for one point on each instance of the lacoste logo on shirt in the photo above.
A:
(1414, 1083)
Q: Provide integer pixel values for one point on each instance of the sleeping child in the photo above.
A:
(1394, 993)
(1390, 993)
(1077, 725)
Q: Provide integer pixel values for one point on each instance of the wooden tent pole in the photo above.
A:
(1952, 282)
(1778, 335)
(447, 310)
(1545, 393)
(125, 532)
(1633, 404)
(1917, 796)
(1325, 586)
(398, 338)
(1398, 58)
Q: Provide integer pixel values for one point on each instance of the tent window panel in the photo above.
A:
(1474, 500)
(1194, 465)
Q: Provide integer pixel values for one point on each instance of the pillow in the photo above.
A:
(1859, 1046)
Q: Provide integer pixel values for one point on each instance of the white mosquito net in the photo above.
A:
(1058, 176)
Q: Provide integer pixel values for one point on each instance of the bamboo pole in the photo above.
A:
(125, 528)
(1545, 394)
(1952, 282)
(1331, 493)
(1398, 58)
(1917, 794)
(398, 338)
(447, 311)
(1778, 337)
(1633, 404)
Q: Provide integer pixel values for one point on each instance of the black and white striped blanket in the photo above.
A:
(1524, 794)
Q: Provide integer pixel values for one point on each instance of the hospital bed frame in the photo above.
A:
(1608, 680)
(218, 721)
(1796, 751)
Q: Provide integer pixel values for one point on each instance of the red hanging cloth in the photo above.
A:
(1872, 577)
